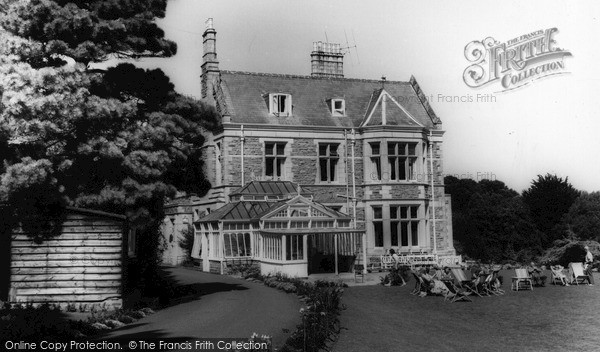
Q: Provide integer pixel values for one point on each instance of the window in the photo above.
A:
(378, 226)
(280, 104)
(294, 248)
(403, 160)
(376, 160)
(328, 159)
(274, 158)
(237, 244)
(405, 222)
(338, 107)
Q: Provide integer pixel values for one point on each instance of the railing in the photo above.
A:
(386, 262)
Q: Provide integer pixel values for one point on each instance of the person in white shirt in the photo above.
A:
(589, 260)
(397, 264)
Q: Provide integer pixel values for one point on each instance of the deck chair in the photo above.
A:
(556, 275)
(522, 280)
(420, 285)
(359, 273)
(464, 283)
(497, 290)
(576, 274)
(457, 293)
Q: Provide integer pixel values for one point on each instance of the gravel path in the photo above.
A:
(228, 307)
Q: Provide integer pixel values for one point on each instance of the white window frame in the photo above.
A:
(338, 112)
(275, 104)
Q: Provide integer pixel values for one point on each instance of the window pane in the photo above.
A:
(414, 233)
(393, 168)
(375, 148)
(377, 213)
(323, 169)
(377, 163)
(332, 164)
(413, 212)
(281, 107)
(391, 148)
(404, 212)
(404, 233)
(269, 166)
(402, 169)
(378, 227)
(393, 212)
(280, 148)
(323, 149)
(279, 163)
(269, 148)
(333, 150)
(412, 149)
(394, 233)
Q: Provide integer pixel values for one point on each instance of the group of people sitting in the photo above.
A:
(442, 282)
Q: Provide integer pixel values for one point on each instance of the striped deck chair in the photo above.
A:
(521, 280)
(577, 275)
(463, 282)
(456, 293)
(420, 285)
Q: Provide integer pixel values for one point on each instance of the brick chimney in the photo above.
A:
(210, 64)
(327, 60)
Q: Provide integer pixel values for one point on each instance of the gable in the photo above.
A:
(302, 208)
(384, 110)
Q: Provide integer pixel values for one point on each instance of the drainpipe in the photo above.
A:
(432, 190)
(354, 202)
(242, 138)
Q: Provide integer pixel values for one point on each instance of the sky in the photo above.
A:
(548, 126)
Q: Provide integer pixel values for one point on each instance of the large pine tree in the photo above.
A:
(119, 139)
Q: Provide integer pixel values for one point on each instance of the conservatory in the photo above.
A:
(294, 236)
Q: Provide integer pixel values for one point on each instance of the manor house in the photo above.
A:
(307, 166)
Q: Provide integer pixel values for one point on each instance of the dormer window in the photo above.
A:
(280, 104)
(338, 107)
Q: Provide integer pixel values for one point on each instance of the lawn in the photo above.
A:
(551, 318)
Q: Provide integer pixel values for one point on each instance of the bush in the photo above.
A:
(320, 323)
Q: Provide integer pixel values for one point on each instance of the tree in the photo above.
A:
(548, 198)
(582, 221)
(490, 221)
(120, 140)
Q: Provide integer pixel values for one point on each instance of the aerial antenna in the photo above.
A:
(348, 47)
(326, 39)
(357, 58)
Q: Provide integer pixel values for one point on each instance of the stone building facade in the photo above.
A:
(372, 149)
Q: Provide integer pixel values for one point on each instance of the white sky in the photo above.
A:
(549, 126)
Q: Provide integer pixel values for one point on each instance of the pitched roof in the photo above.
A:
(274, 188)
(245, 95)
(242, 210)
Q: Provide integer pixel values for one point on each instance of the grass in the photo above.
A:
(551, 318)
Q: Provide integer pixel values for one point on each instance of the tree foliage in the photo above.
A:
(548, 198)
(582, 221)
(120, 140)
(491, 221)
(86, 31)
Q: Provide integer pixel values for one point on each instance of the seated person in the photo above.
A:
(536, 275)
(446, 274)
(557, 270)
(435, 285)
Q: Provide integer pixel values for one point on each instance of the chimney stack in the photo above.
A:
(210, 64)
(327, 60)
